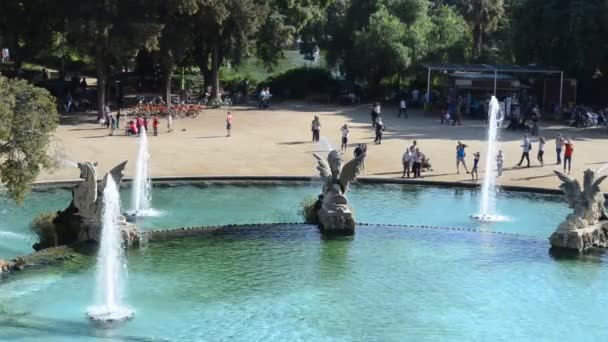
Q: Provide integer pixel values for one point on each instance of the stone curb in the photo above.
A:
(294, 179)
(163, 234)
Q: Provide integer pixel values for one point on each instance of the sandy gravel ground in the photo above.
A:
(277, 142)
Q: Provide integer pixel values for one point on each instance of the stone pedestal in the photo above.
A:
(581, 239)
(339, 221)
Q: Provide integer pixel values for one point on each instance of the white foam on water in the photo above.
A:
(24, 286)
(13, 235)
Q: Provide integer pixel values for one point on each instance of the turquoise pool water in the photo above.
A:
(188, 206)
(289, 283)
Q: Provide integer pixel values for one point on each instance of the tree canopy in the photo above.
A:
(375, 41)
(28, 117)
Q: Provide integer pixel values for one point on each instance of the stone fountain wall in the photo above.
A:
(582, 239)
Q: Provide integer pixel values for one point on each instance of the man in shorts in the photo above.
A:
(229, 124)
(345, 133)
(460, 157)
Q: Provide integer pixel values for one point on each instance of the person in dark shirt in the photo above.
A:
(474, 174)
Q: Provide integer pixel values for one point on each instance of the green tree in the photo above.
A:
(27, 28)
(175, 40)
(376, 40)
(569, 34)
(483, 17)
(28, 117)
(379, 48)
(112, 32)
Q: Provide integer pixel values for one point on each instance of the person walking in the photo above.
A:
(458, 115)
(541, 151)
(379, 129)
(499, 162)
(169, 122)
(376, 109)
(358, 152)
(155, 124)
(407, 160)
(402, 108)
(138, 122)
(526, 147)
(345, 133)
(559, 145)
(113, 125)
(229, 119)
(460, 154)
(474, 174)
(118, 117)
(316, 129)
(569, 150)
(417, 165)
(145, 123)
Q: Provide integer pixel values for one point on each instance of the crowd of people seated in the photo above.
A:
(585, 116)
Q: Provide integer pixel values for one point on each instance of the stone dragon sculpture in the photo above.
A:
(587, 225)
(587, 202)
(81, 221)
(335, 213)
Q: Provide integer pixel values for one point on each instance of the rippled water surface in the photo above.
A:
(188, 206)
(286, 283)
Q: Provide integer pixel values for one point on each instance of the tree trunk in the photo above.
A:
(101, 83)
(15, 54)
(215, 72)
(168, 76)
(477, 40)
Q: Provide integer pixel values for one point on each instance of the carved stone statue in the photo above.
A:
(587, 225)
(81, 221)
(334, 214)
(84, 196)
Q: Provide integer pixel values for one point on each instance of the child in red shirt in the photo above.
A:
(568, 154)
(155, 125)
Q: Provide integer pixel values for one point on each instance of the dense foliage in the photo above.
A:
(28, 117)
(370, 41)
(300, 82)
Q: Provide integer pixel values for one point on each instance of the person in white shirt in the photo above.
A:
(526, 147)
(402, 108)
(541, 151)
(169, 122)
(407, 159)
(345, 132)
(499, 163)
(559, 145)
(417, 165)
(415, 96)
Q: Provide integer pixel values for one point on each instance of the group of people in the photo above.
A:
(585, 116)
(140, 125)
(264, 98)
(413, 161)
(563, 146)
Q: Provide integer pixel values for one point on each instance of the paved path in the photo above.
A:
(277, 142)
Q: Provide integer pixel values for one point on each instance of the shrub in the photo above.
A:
(300, 82)
(307, 210)
(44, 228)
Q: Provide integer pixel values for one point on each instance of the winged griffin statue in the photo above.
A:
(588, 202)
(81, 221)
(334, 213)
(583, 227)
